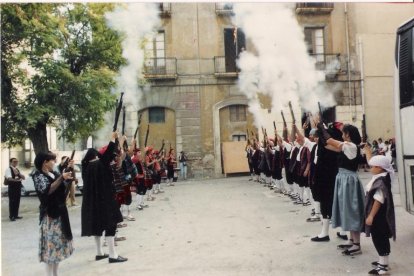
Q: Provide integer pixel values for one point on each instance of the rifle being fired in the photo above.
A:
(125, 145)
(285, 130)
(293, 134)
(118, 112)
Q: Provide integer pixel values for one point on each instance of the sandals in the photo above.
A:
(377, 264)
(379, 270)
(120, 225)
(344, 237)
(352, 252)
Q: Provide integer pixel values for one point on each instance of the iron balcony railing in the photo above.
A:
(225, 67)
(164, 9)
(224, 8)
(330, 63)
(160, 68)
(314, 8)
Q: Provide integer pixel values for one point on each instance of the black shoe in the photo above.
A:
(12, 219)
(344, 237)
(100, 257)
(323, 239)
(344, 246)
(118, 260)
(18, 217)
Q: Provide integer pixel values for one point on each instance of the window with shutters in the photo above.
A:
(156, 115)
(234, 44)
(237, 113)
(314, 38)
(155, 50)
(406, 67)
(239, 137)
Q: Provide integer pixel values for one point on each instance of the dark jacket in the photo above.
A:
(54, 204)
(383, 184)
(100, 210)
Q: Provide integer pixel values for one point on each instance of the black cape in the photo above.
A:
(100, 210)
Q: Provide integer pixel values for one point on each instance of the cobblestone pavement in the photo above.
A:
(227, 226)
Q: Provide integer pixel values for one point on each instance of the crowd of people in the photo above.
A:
(321, 170)
(110, 176)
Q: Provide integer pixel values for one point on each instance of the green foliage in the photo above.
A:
(72, 58)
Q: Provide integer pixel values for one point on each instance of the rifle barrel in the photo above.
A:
(291, 112)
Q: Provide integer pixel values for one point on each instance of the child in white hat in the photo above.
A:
(379, 210)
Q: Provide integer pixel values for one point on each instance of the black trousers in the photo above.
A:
(14, 191)
(381, 235)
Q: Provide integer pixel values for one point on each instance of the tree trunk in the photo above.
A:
(38, 136)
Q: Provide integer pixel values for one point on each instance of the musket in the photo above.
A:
(162, 146)
(125, 145)
(364, 129)
(291, 113)
(283, 117)
(139, 123)
(118, 111)
(320, 113)
(68, 182)
(274, 125)
(285, 131)
(146, 136)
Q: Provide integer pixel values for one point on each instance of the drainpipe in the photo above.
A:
(348, 62)
(361, 69)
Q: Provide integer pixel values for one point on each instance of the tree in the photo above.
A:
(59, 63)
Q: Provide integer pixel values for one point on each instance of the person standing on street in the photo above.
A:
(100, 211)
(183, 165)
(55, 242)
(13, 179)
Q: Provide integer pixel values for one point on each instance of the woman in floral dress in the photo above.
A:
(55, 242)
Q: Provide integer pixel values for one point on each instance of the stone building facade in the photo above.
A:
(191, 98)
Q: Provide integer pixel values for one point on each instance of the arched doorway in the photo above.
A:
(231, 120)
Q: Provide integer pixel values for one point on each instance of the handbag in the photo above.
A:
(5, 182)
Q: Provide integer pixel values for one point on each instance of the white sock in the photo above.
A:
(159, 186)
(325, 228)
(342, 233)
(123, 210)
(383, 260)
(306, 194)
(111, 247)
(301, 192)
(128, 210)
(49, 269)
(55, 269)
(99, 249)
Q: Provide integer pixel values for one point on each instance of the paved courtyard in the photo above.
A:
(225, 226)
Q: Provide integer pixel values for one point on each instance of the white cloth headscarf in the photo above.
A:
(383, 162)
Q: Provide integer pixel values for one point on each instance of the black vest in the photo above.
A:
(345, 163)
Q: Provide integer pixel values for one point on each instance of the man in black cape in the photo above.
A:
(100, 211)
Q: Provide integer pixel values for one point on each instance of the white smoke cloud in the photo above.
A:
(134, 21)
(281, 67)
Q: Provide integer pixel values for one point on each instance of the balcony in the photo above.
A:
(224, 9)
(314, 8)
(331, 64)
(160, 68)
(164, 9)
(225, 68)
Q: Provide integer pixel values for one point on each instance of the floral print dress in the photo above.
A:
(53, 245)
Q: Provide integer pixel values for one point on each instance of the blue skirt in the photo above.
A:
(348, 202)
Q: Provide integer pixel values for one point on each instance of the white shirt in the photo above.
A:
(315, 160)
(378, 196)
(287, 146)
(350, 150)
